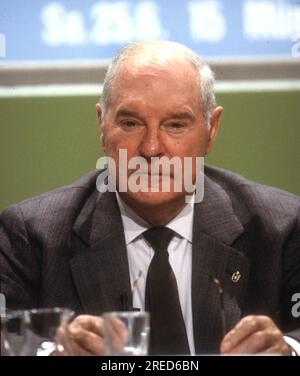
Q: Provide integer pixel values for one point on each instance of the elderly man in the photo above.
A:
(83, 249)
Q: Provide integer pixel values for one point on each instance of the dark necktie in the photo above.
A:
(168, 333)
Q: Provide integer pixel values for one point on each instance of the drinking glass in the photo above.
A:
(36, 332)
(126, 333)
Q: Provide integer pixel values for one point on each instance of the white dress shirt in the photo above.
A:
(140, 255)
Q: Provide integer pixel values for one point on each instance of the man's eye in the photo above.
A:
(129, 124)
(175, 127)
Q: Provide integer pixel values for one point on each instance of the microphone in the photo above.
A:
(124, 296)
(124, 301)
(125, 305)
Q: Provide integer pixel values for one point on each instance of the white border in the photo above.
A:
(96, 89)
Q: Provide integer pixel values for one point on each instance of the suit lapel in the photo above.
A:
(215, 228)
(100, 271)
(99, 265)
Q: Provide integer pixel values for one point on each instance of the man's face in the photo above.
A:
(156, 112)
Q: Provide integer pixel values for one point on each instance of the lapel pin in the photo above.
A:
(236, 276)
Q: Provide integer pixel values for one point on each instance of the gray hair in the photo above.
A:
(205, 75)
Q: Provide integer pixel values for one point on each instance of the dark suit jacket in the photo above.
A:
(67, 248)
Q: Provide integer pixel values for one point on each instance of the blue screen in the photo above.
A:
(95, 29)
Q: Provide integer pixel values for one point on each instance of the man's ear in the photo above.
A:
(99, 114)
(215, 123)
(100, 125)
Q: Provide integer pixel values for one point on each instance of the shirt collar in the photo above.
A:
(134, 225)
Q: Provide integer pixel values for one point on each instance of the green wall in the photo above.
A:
(46, 142)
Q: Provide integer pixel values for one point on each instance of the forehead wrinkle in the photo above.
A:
(149, 63)
(141, 73)
(128, 98)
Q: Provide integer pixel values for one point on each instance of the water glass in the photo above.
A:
(126, 333)
(36, 332)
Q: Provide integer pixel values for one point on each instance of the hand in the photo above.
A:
(86, 335)
(255, 335)
(87, 338)
(117, 336)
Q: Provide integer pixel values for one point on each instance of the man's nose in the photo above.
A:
(151, 144)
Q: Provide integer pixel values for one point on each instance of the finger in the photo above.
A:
(281, 348)
(257, 342)
(86, 340)
(76, 350)
(119, 329)
(90, 323)
(247, 326)
(117, 334)
(79, 351)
